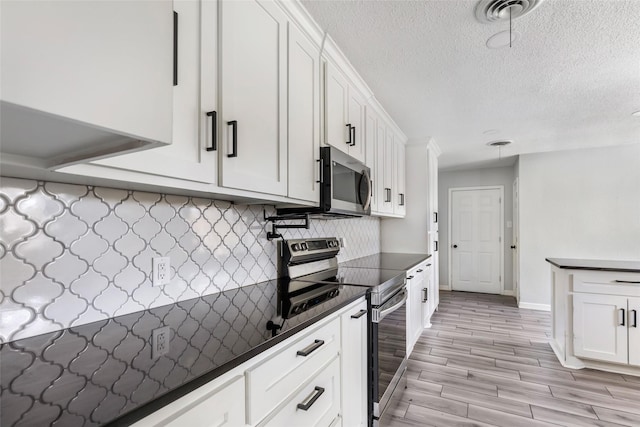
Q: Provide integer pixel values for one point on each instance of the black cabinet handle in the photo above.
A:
(387, 197)
(359, 314)
(410, 277)
(625, 281)
(435, 217)
(310, 349)
(320, 171)
(175, 48)
(349, 130)
(428, 265)
(436, 245)
(353, 136)
(622, 310)
(419, 271)
(306, 404)
(455, 246)
(513, 246)
(234, 125)
(425, 294)
(635, 319)
(214, 130)
(401, 199)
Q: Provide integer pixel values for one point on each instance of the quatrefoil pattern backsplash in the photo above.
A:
(75, 254)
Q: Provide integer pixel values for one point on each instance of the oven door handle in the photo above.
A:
(378, 314)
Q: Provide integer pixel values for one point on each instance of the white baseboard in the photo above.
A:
(445, 288)
(534, 306)
(507, 292)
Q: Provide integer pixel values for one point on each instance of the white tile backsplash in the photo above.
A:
(74, 254)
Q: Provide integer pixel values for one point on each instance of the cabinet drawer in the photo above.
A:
(273, 380)
(320, 397)
(223, 406)
(607, 282)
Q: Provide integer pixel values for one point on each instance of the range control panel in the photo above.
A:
(313, 245)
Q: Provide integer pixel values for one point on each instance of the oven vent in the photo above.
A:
(490, 11)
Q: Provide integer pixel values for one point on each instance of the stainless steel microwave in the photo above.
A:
(345, 187)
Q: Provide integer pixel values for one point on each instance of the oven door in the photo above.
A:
(348, 189)
(389, 346)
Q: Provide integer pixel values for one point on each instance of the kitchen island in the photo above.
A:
(594, 307)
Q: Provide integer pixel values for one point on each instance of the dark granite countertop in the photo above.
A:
(103, 373)
(387, 261)
(596, 264)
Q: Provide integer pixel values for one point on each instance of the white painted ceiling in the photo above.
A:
(572, 80)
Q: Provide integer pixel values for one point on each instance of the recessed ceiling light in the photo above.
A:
(491, 131)
(501, 39)
(499, 143)
(636, 114)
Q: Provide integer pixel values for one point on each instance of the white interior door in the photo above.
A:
(476, 236)
(514, 243)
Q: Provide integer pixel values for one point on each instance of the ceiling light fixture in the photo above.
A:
(491, 11)
(500, 143)
(636, 114)
(502, 39)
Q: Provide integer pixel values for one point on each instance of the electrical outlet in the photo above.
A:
(160, 340)
(161, 271)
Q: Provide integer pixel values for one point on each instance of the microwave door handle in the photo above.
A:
(368, 178)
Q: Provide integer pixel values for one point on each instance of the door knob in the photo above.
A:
(455, 246)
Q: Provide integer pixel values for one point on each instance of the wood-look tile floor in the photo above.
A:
(485, 362)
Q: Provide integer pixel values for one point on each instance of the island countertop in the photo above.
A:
(593, 264)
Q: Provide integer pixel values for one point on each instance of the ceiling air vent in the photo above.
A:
(490, 11)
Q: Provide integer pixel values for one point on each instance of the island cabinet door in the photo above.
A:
(600, 327)
(634, 331)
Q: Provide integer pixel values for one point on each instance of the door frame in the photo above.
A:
(502, 243)
(515, 239)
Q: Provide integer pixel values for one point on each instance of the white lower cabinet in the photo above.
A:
(354, 366)
(317, 377)
(415, 283)
(605, 328)
(316, 404)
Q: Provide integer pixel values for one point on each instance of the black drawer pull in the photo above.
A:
(362, 313)
(419, 271)
(625, 281)
(234, 135)
(310, 349)
(309, 401)
(214, 130)
(410, 277)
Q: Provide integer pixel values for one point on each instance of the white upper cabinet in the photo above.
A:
(304, 116)
(399, 202)
(344, 113)
(82, 78)
(253, 92)
(371, 150)
(191, 157)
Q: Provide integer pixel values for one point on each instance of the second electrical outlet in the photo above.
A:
(161, 271)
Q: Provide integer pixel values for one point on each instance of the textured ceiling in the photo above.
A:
(572, 80)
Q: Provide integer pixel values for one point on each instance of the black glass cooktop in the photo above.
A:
(95, 373)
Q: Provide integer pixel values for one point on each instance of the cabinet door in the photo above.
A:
(304, 117)
(399, 201)
(371, 155)
(414, 317)
(633, 308)
(381, 164)
(89, 61)
(336, 108)
(357, 148)
(598, 329)
(253, 94)
(428, 293)
(354, 366)
(187, 158)
(389, 172)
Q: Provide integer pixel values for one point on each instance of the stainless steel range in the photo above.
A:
(314, 273)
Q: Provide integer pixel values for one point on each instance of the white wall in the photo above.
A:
(474, 178)
(576, 204)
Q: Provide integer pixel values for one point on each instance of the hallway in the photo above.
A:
(487, 363)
